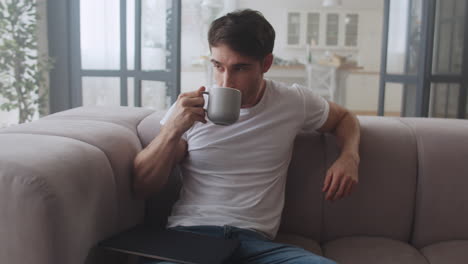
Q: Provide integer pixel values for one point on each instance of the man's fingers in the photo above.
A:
(196, 93)
(200, 119)
(198, 111)
(334, 186)
(350, 188)
(192, 101)
(200, 91)
(343, 185)
(327, 181)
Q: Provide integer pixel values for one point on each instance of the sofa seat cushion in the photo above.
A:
(455, 251)
(363, 250)
(299, 241)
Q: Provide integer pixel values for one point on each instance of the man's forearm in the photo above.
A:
(153, 164)
(348, 135)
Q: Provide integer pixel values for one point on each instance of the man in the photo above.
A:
(234, 176)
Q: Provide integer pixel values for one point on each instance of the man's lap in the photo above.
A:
(255, 248)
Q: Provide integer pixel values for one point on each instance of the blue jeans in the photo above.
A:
(254, 247)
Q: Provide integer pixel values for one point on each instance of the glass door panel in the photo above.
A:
(414, 37)
(130, 27)
(432, 85)
(397, 36)
(100, 34)
(444, 100)
(115, 35)
(449, 37)
(155, 95)
(153, 38)
(404, 34)
(393, 99)
(101, 91)
(131, 91)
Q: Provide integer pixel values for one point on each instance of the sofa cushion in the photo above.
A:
(442, 202)
(299, 241)
(371, 250)
(383, 201)
(447, 252)
(149, 127)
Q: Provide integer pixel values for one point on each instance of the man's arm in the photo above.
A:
(343, 174)
(153, 164)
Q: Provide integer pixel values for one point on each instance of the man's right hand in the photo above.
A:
(187, 110)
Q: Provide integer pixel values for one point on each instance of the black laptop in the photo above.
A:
(171, 245)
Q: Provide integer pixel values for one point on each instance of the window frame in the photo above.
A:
(64, 38)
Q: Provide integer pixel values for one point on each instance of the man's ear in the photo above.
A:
(267, 62)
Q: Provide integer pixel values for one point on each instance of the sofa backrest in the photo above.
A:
(383, 202)
(303, 209)
(402, 189)
(441, 211)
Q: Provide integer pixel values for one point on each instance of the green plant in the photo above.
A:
(22, 68)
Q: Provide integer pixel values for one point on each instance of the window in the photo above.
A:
(434, 76)
(443, 101)
(124, 53)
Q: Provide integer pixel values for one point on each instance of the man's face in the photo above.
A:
(236, 71)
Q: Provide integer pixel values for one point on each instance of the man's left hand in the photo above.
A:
(341, 178)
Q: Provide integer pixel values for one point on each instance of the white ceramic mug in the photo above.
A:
(223, 105)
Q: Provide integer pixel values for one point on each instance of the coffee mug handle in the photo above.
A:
(207, 93)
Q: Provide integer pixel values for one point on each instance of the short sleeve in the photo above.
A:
(316, 109)
(166, 117)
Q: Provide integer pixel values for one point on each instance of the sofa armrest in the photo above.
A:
(65, 184)
(57, 198)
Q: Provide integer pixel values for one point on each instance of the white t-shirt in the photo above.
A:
(235, 175)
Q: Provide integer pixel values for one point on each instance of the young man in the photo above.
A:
(234, 176)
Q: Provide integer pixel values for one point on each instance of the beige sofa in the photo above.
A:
(65, 184)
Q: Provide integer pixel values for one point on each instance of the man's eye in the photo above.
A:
(240, 68)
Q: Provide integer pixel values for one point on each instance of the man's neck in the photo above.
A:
(258, 96)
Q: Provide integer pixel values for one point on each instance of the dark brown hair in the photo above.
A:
(244, 31)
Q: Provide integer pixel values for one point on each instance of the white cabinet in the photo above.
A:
(322, 29)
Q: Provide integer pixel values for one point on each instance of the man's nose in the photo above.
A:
(228, 80)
